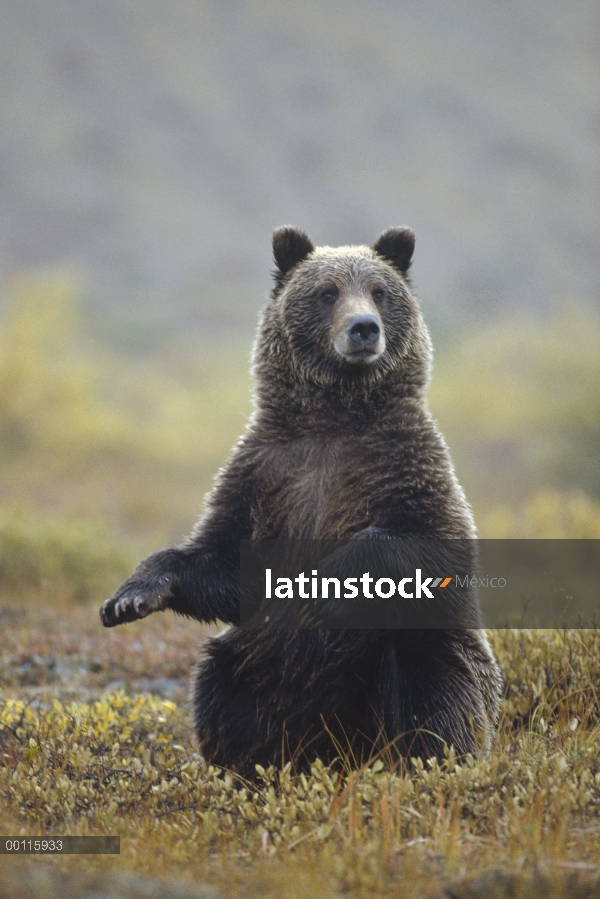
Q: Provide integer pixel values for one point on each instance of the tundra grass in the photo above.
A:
(91, 751)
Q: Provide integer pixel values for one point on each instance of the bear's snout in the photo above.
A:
(358, 333)
(363, 330)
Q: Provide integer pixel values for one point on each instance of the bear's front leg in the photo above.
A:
(196, 580)
(200, 578)
(149, 589)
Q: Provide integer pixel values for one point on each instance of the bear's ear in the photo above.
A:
(290, 246)
(397, 245)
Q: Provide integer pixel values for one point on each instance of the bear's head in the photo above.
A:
(344, 316)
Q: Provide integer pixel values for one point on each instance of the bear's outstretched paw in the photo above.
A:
(134, 601)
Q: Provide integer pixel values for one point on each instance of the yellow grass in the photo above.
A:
(126, 764)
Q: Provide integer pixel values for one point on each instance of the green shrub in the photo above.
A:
(71, 558)
(549, 514)
(518, 402)
(84, 428)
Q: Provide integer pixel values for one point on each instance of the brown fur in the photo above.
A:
(341, 441)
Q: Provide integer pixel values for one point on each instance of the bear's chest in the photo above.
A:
(309, 490)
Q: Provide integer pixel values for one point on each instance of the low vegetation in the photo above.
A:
(59, 558)
(126, 764)
(105, 457)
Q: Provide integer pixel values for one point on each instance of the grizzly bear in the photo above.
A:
(340, 445)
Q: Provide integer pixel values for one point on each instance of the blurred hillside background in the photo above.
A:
(147, 151)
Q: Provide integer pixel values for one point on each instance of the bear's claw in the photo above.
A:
(129, 607)
(118, 611)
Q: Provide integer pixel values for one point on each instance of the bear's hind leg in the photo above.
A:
(224, 710)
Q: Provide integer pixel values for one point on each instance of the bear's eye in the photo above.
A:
(329, 295)
(379, 294)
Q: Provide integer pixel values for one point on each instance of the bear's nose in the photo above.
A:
(363, 329)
